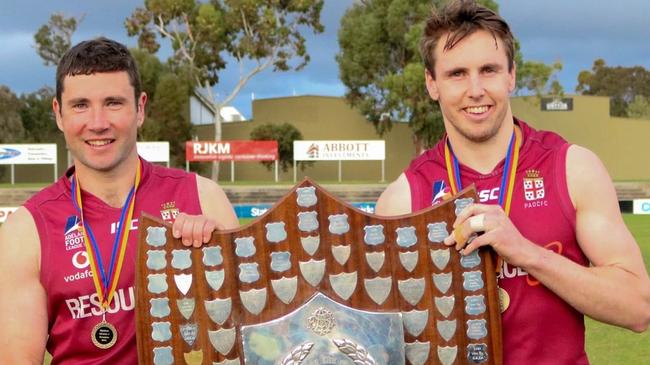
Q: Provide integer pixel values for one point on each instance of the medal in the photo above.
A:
(507, 184)
(104, 334)
(504, 299)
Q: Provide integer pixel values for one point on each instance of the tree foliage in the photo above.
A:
(37, 117)
(11, 127)
(383, 72)
(285, 134)
(639, 108)
(259, 34)
(621, 84)
(54, 38)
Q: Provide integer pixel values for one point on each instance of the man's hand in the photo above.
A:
(498, 232)
(194, 230)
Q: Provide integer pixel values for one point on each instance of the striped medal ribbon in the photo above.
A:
(104, 334)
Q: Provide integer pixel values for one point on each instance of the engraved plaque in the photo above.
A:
(316, 281)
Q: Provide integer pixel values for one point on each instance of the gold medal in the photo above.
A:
(104, 335)
(504, 299)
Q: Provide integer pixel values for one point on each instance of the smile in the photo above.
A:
(100, 142)
(477, 109)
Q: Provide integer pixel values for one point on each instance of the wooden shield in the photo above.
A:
(316, 281)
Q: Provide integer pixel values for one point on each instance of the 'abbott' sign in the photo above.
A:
(339, 150)
(557, 105)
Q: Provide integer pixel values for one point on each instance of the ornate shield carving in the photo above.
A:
(315, 281)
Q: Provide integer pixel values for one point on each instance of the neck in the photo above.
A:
(482, 156)
(113, 186)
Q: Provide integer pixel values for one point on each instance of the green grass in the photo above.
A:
(612, 345)
(608, 345)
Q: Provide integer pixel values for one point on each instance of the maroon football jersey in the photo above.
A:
(538, 326)
(73, 306)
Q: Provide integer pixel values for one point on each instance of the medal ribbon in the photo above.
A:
(108, 285)
(507, 180)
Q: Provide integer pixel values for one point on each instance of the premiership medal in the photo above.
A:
(507, 184)
(104, 334)
(504, 299)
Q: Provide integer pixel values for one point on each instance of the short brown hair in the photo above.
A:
(97, 55)
(460, 19)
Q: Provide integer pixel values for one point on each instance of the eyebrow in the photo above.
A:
(77, 101)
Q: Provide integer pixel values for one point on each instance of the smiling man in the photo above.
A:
(548, 208)
(67, 257)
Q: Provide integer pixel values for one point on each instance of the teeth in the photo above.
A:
(477, 109)
(103, 142)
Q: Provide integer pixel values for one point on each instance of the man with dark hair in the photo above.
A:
(548, 208)
(68, 255)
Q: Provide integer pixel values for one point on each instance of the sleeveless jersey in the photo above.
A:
(73, 306)
(538, 326)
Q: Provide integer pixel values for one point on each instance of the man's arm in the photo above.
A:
(615, 289)
(396, 199)
(218, 213)
(23, 302)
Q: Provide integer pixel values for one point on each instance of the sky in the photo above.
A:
(575, 32)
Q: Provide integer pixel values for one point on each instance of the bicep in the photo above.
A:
(396, 199)
(23, 301)
(215, 203)
(600, 229)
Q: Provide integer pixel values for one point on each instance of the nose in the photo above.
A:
(98, 121)
(475, 89)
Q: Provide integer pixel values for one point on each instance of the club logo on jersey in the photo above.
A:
(73, 233)
(168, 211)
(441, 192)
(533, 186)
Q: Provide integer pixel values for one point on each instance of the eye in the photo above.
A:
(456, 74)
(114, 104)
(79, 106)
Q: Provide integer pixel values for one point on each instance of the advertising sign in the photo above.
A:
(641, 206)
(339, 150)
(200, 151)
(27, 154)
(5, 211)
(154, 151)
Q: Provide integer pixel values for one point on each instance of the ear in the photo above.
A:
(432, 86)
(57, 113)
(512, 81)
(142, 101)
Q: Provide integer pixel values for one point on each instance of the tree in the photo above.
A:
(37, 117)
(621, 84)
(285, 134)
(11, 127)
(383, 72)
(202, 34)
(168, 119)
(54, 38)
(639, 108)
